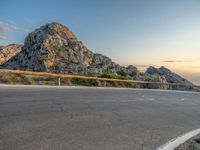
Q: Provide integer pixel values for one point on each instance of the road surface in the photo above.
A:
(76, 118)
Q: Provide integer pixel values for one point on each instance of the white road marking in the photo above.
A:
(174, 143)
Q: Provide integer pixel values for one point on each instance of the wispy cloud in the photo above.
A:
(176, 61)
(27, 30)
(4, 29)
(138, 65)
(3, 37)
(145, 65)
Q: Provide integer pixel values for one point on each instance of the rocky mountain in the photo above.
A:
(54, 48)
(9, 51)
(165, 74)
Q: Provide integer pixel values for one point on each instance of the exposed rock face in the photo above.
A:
(7, 52)
(172, 77)
(164, 75)
(54, 48)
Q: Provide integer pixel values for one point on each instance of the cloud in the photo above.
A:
(142, 65)
(3, 37)
(145, 65)
(27, 30)
(176, 61)
(4, 29)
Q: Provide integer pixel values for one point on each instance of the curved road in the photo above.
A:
(76, 118)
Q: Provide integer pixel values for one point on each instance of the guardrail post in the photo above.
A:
(58, 81)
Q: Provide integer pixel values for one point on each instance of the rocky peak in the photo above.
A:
(152, 70)
(63, 31)
(52, 33)
(52, 29)
(163, 74)
(164, 69)
(54, 48)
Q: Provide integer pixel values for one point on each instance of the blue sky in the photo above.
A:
(139, 32)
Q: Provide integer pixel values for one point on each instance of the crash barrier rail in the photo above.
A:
(147, 84)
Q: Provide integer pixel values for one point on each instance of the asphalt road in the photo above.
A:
(68, 118)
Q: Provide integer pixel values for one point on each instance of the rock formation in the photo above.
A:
(164, 75)
(7, 52)
(54, 48)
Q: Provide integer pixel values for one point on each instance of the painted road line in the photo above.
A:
(174, 143)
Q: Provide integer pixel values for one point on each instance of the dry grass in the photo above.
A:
(19, 72)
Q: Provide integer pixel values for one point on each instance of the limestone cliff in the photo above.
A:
(54, 48)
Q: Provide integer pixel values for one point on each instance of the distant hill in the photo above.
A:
(54, 48)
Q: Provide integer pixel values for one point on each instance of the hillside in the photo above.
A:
(9, 51)
(54, 48)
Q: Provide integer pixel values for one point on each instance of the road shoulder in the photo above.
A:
(191, 144)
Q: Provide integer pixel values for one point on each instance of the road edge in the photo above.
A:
(174, 143)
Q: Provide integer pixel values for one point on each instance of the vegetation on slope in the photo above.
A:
(6, 78)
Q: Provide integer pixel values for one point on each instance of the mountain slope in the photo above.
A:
(9, 51)
(54, 48)
(165, 74)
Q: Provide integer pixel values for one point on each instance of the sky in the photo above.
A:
(138, 32)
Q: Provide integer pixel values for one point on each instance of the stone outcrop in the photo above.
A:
(9, 51)
(164, 75)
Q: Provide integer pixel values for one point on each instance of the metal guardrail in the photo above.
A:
(46, 74)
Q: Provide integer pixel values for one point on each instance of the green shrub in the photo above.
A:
(41, 80)
(85, 82)
(147, 79)
(109, 75)
(126, 77)
(121, 76)
(28, 81)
